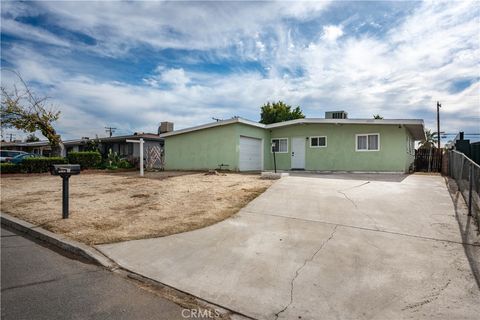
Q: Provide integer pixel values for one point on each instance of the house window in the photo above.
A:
(368, 142)
(318, 142)
(410, 145)
(280, 145)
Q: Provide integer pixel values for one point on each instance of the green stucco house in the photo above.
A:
(334, 143)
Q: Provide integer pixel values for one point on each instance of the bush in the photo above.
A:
(86, 159)
(10, 168)
(37, 165)
(124, 164)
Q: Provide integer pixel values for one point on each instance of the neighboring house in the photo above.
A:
(331, 144)
(37, 147)
(468, 144)
(116, 144)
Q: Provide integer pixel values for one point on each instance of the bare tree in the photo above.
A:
(23, 110)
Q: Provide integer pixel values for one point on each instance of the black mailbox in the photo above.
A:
(65, 171)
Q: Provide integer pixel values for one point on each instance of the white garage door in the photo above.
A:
(250, 154)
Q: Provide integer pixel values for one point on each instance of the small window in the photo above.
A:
(318, 142)
(410, 145)
(280, 145)
(368, 142)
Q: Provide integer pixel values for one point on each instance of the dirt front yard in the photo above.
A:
(107, 208)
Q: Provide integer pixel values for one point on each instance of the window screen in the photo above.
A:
(318, 142)
(372, 142)
(280, 145)
(362, 142)
(368, 142)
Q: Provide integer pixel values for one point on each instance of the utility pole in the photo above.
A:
(438, 123)
(110, 130)
(11, 136)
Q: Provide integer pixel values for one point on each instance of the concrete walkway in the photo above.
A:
(327, 247)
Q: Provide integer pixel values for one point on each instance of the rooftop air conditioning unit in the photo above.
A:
(165, 127)
(336, 115)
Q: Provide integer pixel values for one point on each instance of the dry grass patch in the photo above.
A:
(107, 208)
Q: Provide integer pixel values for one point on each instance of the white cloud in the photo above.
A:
(332, 33)
(401, 74)
(163, 76)
(120, 26)
(175, 77)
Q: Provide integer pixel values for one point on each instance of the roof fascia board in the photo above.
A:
(346, 121)
(294, 122)
(212, 125)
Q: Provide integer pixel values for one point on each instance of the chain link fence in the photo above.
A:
(466, 174)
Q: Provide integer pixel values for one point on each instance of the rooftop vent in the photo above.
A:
(165, 127)
(336, 115)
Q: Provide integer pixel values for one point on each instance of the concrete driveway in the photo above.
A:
(327, 247)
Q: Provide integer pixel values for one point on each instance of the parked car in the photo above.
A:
(7, 155)
(19, 159)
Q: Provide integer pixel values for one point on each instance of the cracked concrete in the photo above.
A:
(297, 272)
(355, 204)
(266, 263)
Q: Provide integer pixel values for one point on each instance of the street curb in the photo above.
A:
(95, 255)
(224, 311)
(59, 241)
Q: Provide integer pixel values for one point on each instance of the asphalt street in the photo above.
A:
(39, 283)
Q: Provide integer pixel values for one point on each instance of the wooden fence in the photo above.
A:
(428, 160)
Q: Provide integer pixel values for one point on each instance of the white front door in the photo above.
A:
(298, 153)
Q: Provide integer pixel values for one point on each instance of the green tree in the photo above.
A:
(278, 112)
(92, 145)
(32, 138)
(23, 110)
(429, 141)
(377, 117)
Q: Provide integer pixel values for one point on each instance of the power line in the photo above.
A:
(110, 130)
(11, 136)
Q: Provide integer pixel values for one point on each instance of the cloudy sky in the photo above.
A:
(131, 65)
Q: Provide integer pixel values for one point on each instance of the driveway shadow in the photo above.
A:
(384, 177)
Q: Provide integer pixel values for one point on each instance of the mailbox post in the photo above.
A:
(65, 171)
(274, 160)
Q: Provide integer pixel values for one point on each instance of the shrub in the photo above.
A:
(112, 158)
(37, 165)
(86, 159)
(124, 164)
(10, 168)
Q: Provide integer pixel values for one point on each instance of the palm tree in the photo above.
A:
(429, 141)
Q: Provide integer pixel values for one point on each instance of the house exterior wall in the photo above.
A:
(410, 152)
(203, 149)
(207, 148)
(340, 153)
